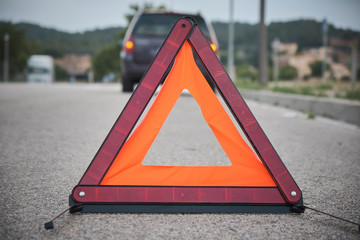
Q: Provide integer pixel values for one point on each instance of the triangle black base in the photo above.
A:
(184, 208)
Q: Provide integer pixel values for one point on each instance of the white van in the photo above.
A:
(40, 68)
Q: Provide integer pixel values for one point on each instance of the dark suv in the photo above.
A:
(145, 34)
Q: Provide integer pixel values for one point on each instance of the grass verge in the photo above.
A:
(349, 93)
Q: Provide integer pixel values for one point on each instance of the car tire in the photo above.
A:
(127, 84)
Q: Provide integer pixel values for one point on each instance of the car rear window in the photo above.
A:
(159, 25)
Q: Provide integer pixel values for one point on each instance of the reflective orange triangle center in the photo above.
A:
(246, 169)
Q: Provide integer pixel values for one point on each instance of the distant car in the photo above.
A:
(145, 34)
(40, 68)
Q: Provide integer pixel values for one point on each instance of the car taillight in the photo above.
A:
(129, 46)
(214, 47)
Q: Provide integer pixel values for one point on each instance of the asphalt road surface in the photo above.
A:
(50, 133)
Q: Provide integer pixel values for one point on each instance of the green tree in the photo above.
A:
(58, 43)
(60, 73)
(107, 61)
(19, 49)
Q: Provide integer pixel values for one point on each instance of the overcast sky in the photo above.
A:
(81, 15)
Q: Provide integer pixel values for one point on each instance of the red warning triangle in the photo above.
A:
(116, 179)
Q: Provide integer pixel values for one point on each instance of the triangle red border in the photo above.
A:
(89, 190)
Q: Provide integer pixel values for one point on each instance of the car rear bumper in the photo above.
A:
(131, 69)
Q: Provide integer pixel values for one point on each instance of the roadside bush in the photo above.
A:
(288, 73)
(246, 71)
(306, 90)
(318, 91)
(284, 89)
(349, 93)
(345, 78)
(306, 77)
(325, 86)
(353, 94)
(316, 68)
(246, 83)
